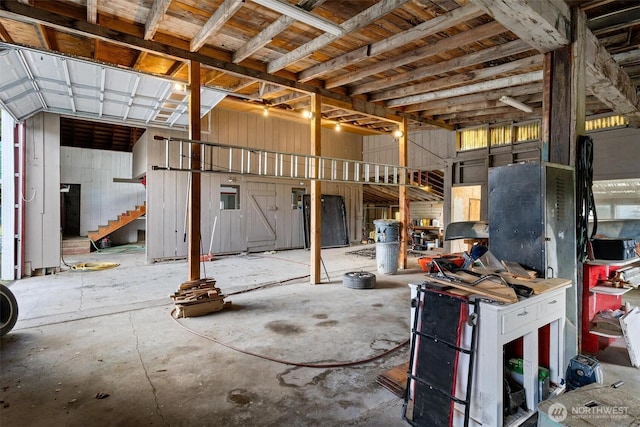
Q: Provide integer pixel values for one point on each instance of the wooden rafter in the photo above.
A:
(520, 79)
(4, 35)
(92, 11)
(420, 31)
(466, 78)
(175, 68)
(546, 25)
(472, 36)
(19, 12)
(477, 97)
(485, 55)
(265, 36)
(217, 20)
(359, 21)
(616, 21)
(158, 9)
(608, 82)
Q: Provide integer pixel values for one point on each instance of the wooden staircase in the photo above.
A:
(114, 225)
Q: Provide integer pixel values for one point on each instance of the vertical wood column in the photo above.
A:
(403, 158)
(316, 189)
(556, 106)
(578, 83)
(193, 239)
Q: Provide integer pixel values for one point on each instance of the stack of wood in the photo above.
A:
(197, 298)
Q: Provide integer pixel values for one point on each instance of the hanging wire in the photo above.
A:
(585, 202)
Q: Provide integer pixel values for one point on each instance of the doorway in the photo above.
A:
(465, 206)
(70, 209)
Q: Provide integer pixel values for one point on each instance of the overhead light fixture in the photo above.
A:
(307, 114)
(397, 133)
(302, 15)
(338, 127)
(516, 104)
(265, 111)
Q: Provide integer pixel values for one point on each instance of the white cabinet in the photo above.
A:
(499, 325)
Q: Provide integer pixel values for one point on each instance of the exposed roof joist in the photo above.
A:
(20, 12)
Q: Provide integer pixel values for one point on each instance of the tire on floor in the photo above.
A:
(359, 280)
(8, 310)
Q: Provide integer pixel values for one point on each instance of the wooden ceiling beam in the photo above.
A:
(420, 31)
(32, 15)
(92, 11)
(459, 79)
(615, 21)
(519, 79)
(608, 82)
(545, 25)
(4, 35)
(291, 97)
(355, 23)
(485, 55)
(462, 39)
(175, 68)
(224, 12)
(477, 97)
(276, 27)
(158, 9)
(482, 105)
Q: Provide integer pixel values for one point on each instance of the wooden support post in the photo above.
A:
(316, 189)
(556, 106)
(403, 157)
(193, 240)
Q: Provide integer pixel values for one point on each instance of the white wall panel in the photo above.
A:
(101, 199)
(166, 196)
(427, 149)
(42, 192)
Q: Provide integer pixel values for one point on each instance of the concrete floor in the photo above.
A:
(82, 334)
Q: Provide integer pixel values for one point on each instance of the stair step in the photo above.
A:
(76, 246)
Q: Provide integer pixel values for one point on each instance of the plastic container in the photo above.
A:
(516, 372)
(387, 230)
(387, 257)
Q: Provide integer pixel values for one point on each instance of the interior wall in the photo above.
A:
(101, 199)
(167, 190)
(428, 149)
(616, 153)
(42, 194)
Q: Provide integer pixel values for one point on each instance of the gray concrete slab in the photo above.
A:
(81, 333)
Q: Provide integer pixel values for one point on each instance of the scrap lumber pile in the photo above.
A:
(197, 298)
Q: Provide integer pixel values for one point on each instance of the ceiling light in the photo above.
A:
(302, 15)
(179, 86)
(338, 127)
(516, 104)
(265, 111)
(397, 133)
(307, 114)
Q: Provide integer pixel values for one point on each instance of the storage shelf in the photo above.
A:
(613, 263)
(605, 333)
(609, 290)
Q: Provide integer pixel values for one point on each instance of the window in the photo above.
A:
(229, 197)
(296, 198)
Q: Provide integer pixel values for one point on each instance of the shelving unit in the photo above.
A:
(596, 298)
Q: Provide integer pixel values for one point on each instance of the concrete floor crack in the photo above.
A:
(146, 373)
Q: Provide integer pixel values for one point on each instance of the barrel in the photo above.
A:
(387, 230)
(387, 257)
